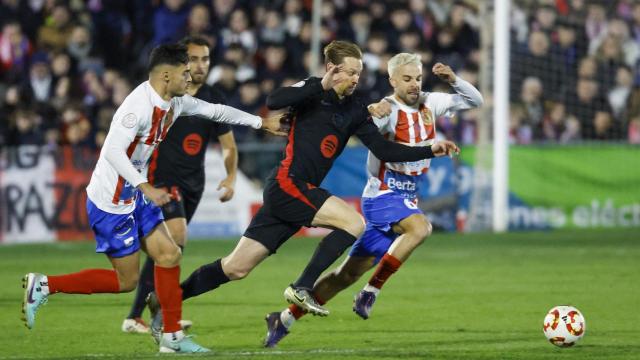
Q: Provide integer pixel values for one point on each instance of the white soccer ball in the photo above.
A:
(564, 325)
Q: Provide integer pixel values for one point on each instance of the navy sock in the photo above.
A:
(327, 252)
(205, 278)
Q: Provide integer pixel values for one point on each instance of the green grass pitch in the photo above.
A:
(458, 297)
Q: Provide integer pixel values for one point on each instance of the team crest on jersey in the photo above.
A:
(427, 115)
(129, 120)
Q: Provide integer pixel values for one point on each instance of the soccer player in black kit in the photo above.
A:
(178, 166)
(324, 116)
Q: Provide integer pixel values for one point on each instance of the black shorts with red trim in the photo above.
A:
(183, 203)
(288, 205)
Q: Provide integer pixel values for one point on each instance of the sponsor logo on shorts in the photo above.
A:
(128, 241)
(406, 185)
(410, 204)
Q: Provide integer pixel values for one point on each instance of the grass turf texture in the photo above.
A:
(458, 297)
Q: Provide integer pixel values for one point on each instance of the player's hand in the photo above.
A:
(444, 72)
(380, 109)
(159, 197)
(330, 79)
(276, 125)
(227, 184)
(445, 148)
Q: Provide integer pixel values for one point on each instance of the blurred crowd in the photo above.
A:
(65, 66)
(575, 70)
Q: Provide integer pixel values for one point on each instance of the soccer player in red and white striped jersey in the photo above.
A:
(123, 208)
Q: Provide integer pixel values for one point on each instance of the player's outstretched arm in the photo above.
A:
(299, 92)
(230, 115)
(389, 151)
(445, 148)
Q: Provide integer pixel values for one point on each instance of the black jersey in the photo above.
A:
(179, 160)
(321, 126)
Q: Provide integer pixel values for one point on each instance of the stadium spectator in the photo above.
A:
(25, 128)
(55, 31)
(583, 102)
(466, 38)
(558, 126)
(56, 53)
(40, 84)
(170, 21)
(15, 49)
(604, 127)
(79, 44)
(535, 61)
(532, 103)
(238, 31)
(238, 56)
(619, 94)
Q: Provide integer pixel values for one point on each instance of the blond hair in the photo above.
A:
(337, 50)
(403, 59)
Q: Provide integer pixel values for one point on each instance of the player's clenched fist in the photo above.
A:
(331, 78)
(158, 196)
(380, 109)
(445, 148)
(444, 72)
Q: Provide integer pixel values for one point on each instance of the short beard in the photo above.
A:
(409, 103)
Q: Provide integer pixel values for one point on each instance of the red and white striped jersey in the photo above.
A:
(414, 126)
(138, 126)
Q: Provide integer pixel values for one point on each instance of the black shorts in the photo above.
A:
(183, 203)
(288, 205)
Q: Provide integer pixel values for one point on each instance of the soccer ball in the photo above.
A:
(564, 325)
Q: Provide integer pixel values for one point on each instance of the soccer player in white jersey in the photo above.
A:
(395, 225)
(123, 208)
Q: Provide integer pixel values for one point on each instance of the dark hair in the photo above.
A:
(169, 54)
(337, 50)
(194, 40)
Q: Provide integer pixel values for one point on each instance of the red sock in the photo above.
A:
(318, 299)
(388, 265)
(298, 312)
(89, 281)
(169, 295)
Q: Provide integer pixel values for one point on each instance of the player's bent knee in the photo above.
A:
(234, 273)
(420, 228)
(128, 284)
(355, 225)
(169, 258)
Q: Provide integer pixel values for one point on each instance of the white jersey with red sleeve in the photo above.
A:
(413, 126)
(138, 126)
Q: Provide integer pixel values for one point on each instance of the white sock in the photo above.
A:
(287, 318)
(174, 336)
(372, 289)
